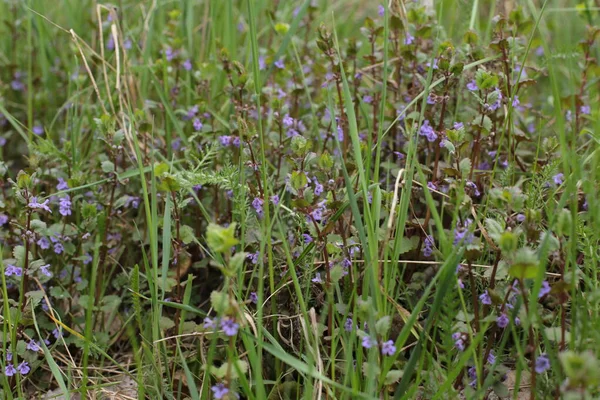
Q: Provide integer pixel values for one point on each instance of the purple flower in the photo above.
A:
(209, 323)
(502, 321)
(388, 348)
(65, 206)
(253, 297)
(428, 246)
(516, 102)
(472, 86)
(569, 115)
(44, 269)
(458, 125)
(520, 217)
(459, 341)
(132, 201)
(368, 342)
(57, 333)
(8, 355)
(585, 110)
(275, 199)
(253, 257)
(558, 178)
(62, 184)
(229, 326)
(10, 370)
(542, 363)
(187, 65)
(368, 99)
(197, 124)
(3, 219)
(236, 141)
(485, 298)
(349, 325)
(261, 63)
(2, 138)
(58, 248)
(409, 39)
(225, 140)
(38, 130)
(13, 270)
(279, 63)
(23, 368)
(170, 54)
(219, 390)
(381, 10)
(544, 290)
(288, 121)
(317, 278)
(34, 204)
(428, 131)
(257, 203)
(307, 238)
(33, 346)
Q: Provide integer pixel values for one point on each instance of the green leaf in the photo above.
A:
(525, 264)
(186, 233)
(165, 323)
(219, 301)
(107, 166)
(393, 376)
(382, 326)
(221, 239)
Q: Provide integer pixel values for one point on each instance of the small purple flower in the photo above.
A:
(368, 99)
(288, 121)
(253, 298)
(33, 346)
(257, 204)
(458, 125)
(253, 257)
(388, 348)
(472, 86)
(58, 248)
(38, 130)
(428, 246)
(197, 124)
(568, 115)
(34, 204)
(187, 65)
(44, 243)
(558, 179)
(13, 270)
(409, 39)
(62, 184)
(275, 199)
(209, 323)
(307, 238)
(8, 355)
(516, 102)
(225, 140)
(542, 363)
(236, 142)
(279, 63)
(502, 321)
(485, 298)
(3, 219)
(585, 110)
(229, 326)
(544, 290)
(10, 370)
(219, 390)
(65, 206)
(428, 131)
(368, 342)
(44, 269)
(261, 63)
(317, 278)
(23, 368)
(521, 217)
(459, 341)
(349, 325)
(381, 10)
(57, 333)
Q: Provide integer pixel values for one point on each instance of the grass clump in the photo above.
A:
(324, 199)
